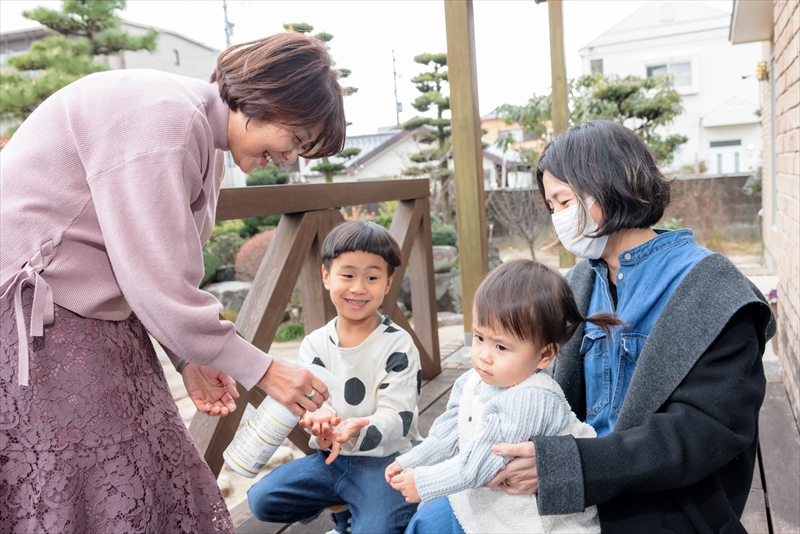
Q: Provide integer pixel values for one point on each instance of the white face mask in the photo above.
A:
(566, 225)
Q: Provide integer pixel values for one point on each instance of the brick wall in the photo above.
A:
(781, 186)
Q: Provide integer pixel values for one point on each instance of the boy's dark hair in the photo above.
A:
(612, 164)
(532, 302)
(361, 236)
(287, 78)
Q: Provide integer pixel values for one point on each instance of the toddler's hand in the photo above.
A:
(404, 483)
(393, 469)
(343, 431)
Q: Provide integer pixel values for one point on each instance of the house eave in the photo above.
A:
(751, 21)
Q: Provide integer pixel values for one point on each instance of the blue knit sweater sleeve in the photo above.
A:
(442, 440)
(511, 417)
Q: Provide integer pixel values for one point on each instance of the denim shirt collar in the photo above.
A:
(664, 239)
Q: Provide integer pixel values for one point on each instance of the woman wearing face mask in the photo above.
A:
(109, 193)
(674, 394)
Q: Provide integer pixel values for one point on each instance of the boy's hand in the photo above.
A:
(393, 469)
(343, 431)
(404, 483)
(319, 421)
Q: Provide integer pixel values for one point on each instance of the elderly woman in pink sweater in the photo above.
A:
(108, 193)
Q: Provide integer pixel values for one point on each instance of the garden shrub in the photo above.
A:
(210, 265)
(442, 234)
(289, 332)
(250, 254)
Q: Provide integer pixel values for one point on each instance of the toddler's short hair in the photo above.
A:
(361, 235)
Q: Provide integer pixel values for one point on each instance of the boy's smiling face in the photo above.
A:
(357, 281)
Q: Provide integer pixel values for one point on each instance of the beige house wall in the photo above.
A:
(781, 183)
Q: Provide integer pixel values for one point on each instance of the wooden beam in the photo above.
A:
(258, 201)
(467, 151)
(558, 96)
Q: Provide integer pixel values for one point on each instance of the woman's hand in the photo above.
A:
(211, 390)
(393, 469)
(404, 483)
(518, 477)
(291, 386)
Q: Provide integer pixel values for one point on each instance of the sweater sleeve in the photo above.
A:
(442, 440)
(707, 421)
(512, 417)
(396, 400)
(145, 211)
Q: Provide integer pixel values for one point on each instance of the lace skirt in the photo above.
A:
(95, 443)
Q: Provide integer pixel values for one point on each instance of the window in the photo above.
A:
(176, 57)
(719, 163)
(514, 135)
(597, 66)
(736, 162)
(681, 72)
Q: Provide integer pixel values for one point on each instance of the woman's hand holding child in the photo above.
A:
(519, 476)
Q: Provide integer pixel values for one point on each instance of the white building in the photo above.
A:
(716, 80)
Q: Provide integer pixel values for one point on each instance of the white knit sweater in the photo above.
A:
(456, 460)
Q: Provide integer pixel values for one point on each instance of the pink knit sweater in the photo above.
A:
(109, 191)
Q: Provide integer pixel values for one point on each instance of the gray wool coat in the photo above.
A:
(681, 455)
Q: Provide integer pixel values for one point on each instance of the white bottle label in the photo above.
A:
(255, 444)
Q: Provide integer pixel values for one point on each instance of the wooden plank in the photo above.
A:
(437, 387)
(262, 310)
(245, 523)
(779, 442)
(317, 306)
(405, 222)
(467, 150)
(754, 517)
(257, 201)
(427, 418)
(423, 291)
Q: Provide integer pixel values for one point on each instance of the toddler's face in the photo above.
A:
(503, 360)
(358, 281)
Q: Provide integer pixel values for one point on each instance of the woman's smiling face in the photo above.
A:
(260, 142)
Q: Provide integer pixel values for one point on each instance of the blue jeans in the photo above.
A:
(435, 517)
(303, 487)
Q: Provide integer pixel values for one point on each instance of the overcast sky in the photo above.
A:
(512, 41)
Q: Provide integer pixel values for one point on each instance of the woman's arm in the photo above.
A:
(707, 421)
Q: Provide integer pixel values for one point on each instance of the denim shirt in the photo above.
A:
(647, 277)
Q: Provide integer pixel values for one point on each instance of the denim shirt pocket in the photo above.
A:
(631, 348)
(596, 370)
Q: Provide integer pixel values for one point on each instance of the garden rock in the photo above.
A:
(230, 294)
(225, 273)
(447, 289)
(444, 258)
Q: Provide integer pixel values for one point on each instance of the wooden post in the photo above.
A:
(560, 109)
(467, 152)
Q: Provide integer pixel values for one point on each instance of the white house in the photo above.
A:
(716, 80)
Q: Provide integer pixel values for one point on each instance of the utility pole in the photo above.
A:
(228, 25)
(558, 96)
(397, 106)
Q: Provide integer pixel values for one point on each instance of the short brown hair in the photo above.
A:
(532, 302)
(611, 163)
(288, 78)
(361, 235)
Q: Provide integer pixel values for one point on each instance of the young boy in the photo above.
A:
(371, 416)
